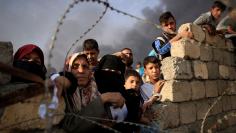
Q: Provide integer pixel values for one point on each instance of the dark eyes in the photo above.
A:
(33, 60)
(76, 66)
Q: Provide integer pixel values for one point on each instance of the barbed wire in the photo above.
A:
(86, 118)
(210, 108)
(62, 19)
(87, 31)
(104, 3)
(107, 6)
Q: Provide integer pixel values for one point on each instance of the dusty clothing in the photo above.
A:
(206, 19)
(80, 103)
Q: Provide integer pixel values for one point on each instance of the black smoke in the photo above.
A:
(142, 35)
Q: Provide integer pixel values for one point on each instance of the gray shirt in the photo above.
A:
(205, 18)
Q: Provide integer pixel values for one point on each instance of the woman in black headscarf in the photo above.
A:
(31, 59)
(109, 77)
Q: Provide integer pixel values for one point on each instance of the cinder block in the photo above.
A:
(232, 58)
(216, 41)
(187, 112)
(167, 115)
(233, 103)
(6, 57)
(222, 86)
(217, 108)
(206, 53)
(230, 46)
(201, 107)
(220, 42)
(185, 48)
(200, 70)
(198, 33)
(194, 127)
(232, 87)
(181, 129)
(228, 58)
(198, 90)
(213, 70)
(226, 102)
(224, 72)
(211, 88)
(176, 68)
(218, 56)
(176, 91)
(232, 73)
(209, 39)
(27, 110)
(231, 118)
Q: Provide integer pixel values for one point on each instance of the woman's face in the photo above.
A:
(80, 69)
(34, 57)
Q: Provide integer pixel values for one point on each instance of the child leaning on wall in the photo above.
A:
(210, 19)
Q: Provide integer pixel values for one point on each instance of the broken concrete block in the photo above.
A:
(6, 57)
(176, 68)
(176, 91)
(185, 48)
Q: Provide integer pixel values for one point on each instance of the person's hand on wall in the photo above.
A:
(210, 29)
(158, 86)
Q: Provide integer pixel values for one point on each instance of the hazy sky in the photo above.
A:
(34, 21)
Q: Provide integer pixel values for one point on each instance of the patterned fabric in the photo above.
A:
(83, 96)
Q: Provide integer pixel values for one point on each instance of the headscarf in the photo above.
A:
(38, 69)
(109, 74)
(81, 96)
(70, 60)
(27, 49)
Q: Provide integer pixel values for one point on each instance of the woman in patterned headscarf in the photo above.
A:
(81, 96)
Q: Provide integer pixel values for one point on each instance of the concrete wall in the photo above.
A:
(6, 57)
(198, 73)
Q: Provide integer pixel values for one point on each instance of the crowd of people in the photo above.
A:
(109, 88)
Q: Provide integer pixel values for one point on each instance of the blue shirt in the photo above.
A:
(152, 53)
(162, 49)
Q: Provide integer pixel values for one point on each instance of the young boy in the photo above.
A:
(209, 20)
(91, 49)
(163, 43)
(150, 91)
(132, 85)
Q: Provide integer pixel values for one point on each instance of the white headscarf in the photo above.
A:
(73, 57)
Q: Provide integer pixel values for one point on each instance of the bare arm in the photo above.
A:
(183, 34)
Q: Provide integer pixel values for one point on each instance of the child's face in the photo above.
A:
(169, 26)
(132, 82)
(152, 70)
(216, 12)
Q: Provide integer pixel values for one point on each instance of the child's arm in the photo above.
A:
(201, 20)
